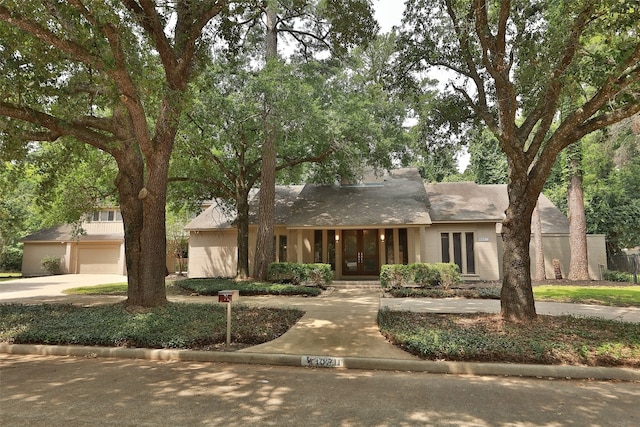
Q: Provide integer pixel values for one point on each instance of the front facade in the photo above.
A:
(396, 219)
(99, 249)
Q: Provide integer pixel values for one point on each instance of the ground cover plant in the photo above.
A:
(482, 337)
(247, 288)
(205, 287)
(174, 325)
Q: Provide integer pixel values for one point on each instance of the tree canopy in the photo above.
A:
(512, 64)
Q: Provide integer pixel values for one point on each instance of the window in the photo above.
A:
(402, 244)
(331, 248)
(462, 250)
(444, 237)
(388, 251)
(282, 249)
(317, 246)
(107, 216)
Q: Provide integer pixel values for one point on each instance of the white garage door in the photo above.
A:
(103, 259)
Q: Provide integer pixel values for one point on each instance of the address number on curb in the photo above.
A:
(323, 361)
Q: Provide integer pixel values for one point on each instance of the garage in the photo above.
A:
(99, 259)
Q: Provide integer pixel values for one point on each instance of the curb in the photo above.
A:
(456, 368)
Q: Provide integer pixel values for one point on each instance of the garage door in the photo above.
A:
(103, 259)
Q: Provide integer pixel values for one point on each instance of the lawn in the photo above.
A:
(621, 296)
(9, 276)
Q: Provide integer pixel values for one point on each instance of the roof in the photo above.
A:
(65, 233)
(217, 216)
(471, 202)
(399, 199)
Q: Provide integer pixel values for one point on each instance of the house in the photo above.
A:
(395, 219)
(96, 247)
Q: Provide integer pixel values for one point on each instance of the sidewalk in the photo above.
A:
(340, 329)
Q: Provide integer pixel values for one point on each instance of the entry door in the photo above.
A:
(360, 252)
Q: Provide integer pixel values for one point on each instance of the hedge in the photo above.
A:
(422, 275)
(319, 275)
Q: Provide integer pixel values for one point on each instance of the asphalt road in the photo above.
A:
(62, 391)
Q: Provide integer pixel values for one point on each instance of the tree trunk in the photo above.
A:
(538, 244)
(516, 297)
(579, 264)
(266, 213)
(143, 215)
(242, 203)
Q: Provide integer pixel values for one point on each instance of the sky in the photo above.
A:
(388, 13)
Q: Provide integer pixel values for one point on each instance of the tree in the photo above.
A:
(327, 112)
(219, 152)
(313, 25)
(112, 75)
(514, 61)
(579, 261)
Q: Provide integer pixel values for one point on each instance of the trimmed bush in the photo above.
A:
(395, 276)
(51, 264)
(449, 274)
(319, 275)
(423, 275)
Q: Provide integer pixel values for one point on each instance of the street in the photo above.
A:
(53, 391)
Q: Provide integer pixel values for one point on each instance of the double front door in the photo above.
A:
(360, 253)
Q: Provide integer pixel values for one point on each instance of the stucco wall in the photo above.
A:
(215, 253)
(485, 247)
(35, 252)
(557, 247)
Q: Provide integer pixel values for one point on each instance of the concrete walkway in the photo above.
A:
(339, 329)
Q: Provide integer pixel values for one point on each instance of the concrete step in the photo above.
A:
(356, 284)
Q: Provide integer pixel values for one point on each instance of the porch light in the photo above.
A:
(382, 237)
(337, 237)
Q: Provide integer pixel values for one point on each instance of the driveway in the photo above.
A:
(53, 285)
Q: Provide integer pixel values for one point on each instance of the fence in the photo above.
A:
(627, 263)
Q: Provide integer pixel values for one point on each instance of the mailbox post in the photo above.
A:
(227, 297)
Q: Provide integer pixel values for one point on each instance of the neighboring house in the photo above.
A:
(396, 219)
(99, 250)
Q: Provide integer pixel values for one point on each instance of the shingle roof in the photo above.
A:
(64, 233)
(470, 202)
(217, 217)
(399, 199)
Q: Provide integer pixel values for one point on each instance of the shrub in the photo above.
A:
(11, 259)
(319, 275)
(394, 276)
(51, 264)
(449, 274)
(425, 275)
(443, 275)
(617, 276)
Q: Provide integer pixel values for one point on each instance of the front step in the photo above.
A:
(356, 284)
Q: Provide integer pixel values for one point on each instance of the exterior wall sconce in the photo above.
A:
(382, 237)
(337, 237)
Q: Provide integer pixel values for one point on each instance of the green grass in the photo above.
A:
(622, 296)
(106, 289)
(174, 325)
(484, 337)
(9, 276)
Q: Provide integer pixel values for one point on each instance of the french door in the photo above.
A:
(360, 253)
